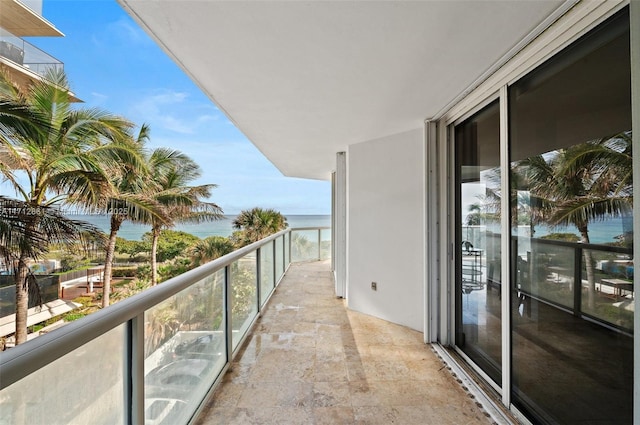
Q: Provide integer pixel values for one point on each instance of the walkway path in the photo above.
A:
(312, 361)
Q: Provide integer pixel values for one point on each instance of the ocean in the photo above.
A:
(221, 227)
(605, 231)
(600, 231)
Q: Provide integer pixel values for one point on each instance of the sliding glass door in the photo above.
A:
(565, 133)
(572, 266)
(478, 239)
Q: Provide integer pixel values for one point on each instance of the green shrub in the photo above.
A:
(85, 301)
(174, 268)
(144, 272)
(568, 237)
(70, 317)
(124, 272)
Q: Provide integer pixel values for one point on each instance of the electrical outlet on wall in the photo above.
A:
(374, 286)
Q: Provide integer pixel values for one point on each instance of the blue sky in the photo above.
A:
(112, 64)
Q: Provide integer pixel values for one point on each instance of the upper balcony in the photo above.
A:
(25, 62)
(20, 52)
(24, 19)
(270, 337)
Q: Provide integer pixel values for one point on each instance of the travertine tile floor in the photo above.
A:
(312, 361)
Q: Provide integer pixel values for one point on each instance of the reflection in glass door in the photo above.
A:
(478, 259)
(572, 315)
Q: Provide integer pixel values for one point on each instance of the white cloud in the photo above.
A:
(99, 97)
(171, 110)
(126, 31)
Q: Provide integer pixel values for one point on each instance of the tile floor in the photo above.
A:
(312, 361)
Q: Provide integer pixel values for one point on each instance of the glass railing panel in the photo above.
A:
(548, 273)
(267, 282)
(607, 282)
(185, 350)
(279, 258)
(85, 386)
(325, 244)
(244, 300)
(26, 54)
(304, 245)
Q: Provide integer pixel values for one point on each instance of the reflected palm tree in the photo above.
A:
(581, 184)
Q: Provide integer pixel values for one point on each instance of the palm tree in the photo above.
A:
(210, 248)
(52, 153)
(609, 162)
(256, 224)
(129, 201)
(172, 172)
(27, 232)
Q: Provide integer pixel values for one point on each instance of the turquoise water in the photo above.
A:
(221, 227)
(604, 231)
(601, 231)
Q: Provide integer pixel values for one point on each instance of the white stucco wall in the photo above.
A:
(385, 186)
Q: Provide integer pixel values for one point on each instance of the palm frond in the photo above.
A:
(27, 230)
(586, 209)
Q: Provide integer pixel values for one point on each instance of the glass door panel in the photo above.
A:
(571, 261)
(478, 256)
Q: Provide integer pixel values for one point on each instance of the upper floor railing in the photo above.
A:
(591, 281)
(154, 357)
(27, 55)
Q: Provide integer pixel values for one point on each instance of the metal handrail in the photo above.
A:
(312, 228)
(25, 359)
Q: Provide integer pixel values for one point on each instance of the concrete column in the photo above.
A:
(340, 224)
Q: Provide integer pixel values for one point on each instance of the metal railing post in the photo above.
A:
(274, 271)
(134, 370)
(577, 282)
(290, 238)
(319, 248)
(258, 278)
(227, 312)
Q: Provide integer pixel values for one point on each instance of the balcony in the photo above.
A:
(25, 62)
(234, 341)
(310, 360)
(24, 18)
(22, 53)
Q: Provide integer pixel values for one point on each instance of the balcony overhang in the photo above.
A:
(21, 21)
(303, 80)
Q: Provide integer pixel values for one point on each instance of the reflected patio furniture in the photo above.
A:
(618, 286)
(471, 268)
(561, 274)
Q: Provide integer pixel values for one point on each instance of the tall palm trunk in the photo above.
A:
(22, 287)
(116, 222)
(22, 300)
(155, 232)
(588, 262)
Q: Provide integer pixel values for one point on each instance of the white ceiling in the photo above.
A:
(303, 80)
